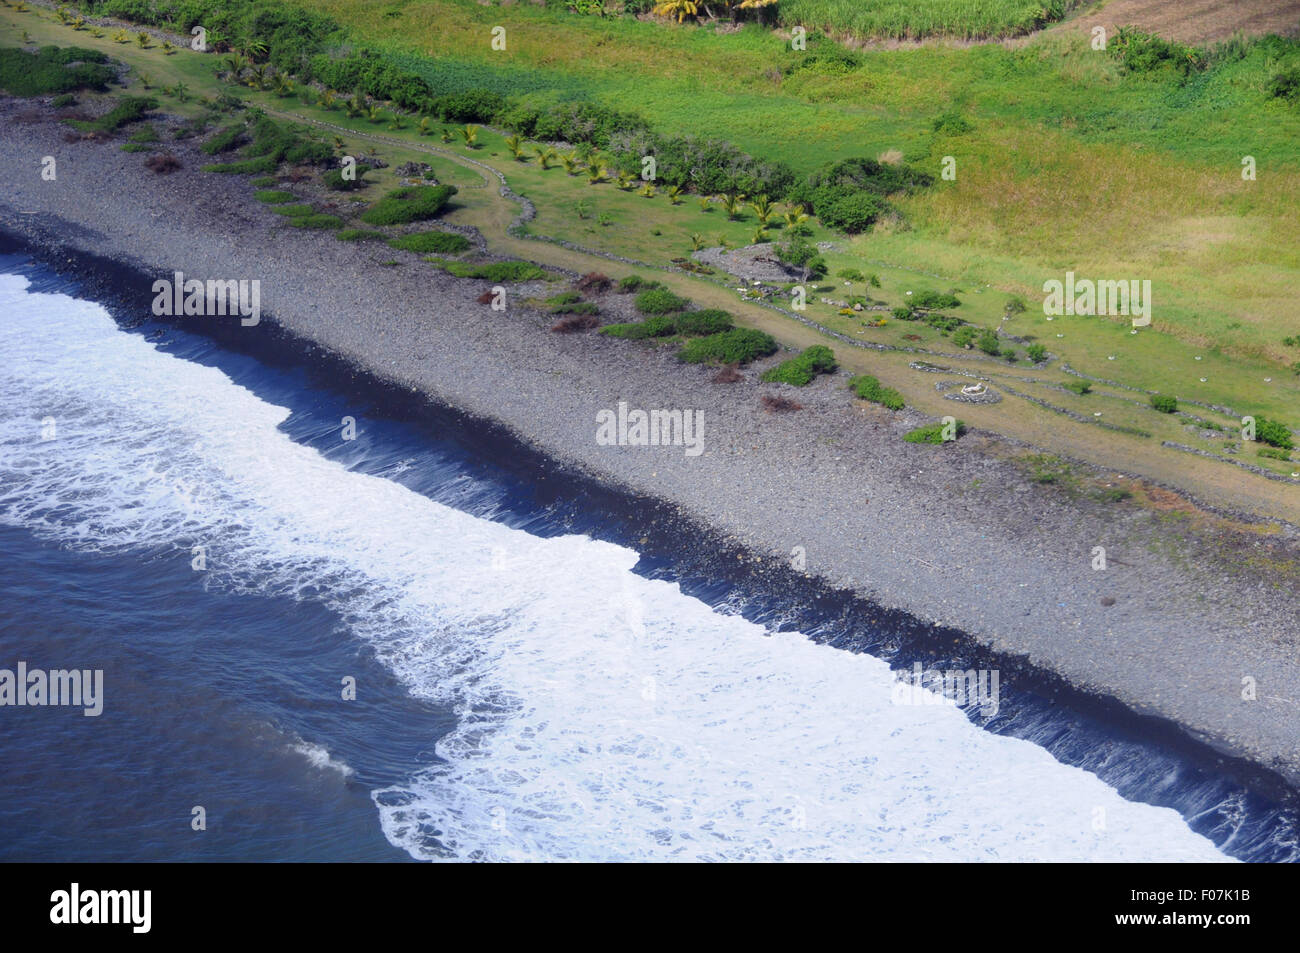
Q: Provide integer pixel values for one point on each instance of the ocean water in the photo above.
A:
(523, 691)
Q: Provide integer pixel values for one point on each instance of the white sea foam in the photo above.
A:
(319, 757)
(601, 715)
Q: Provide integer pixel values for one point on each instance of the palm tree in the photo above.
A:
(675, 195)
(759, 236)
(146, 80)
(595, 173)
(648, 190)
(182, 92)
(570, 162)
(254, 48)
(283, 85)
(625, 181)
(763, 208)
(446, 135)
(352, 107)
(233, 65)
(470, 134)
(375, 114)
(697, 241)
(167, 48)
(425, 128)
(258, 78)
(544, 155)
(398, 122)
(121, 36)
(63, 15)
(144, 40)
(681, 9)
(516, 147)
(731, 202)
(329, 100)
(706, 204)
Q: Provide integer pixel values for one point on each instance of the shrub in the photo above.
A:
(576, 322)
(1273, 432)
(988, 343)
(800, 371)
(659, 301)
(932, 433)
(128, 109)
(659, 326)
(1009, 353)
(359, 235)
(225, 140)
(335, 180)
(775, 404)
(1275, 453)
(1037, 353)
(53, 70)
(1079, 387)
(1286, 85)
(163, 164)
(869, 388)
(497, 271)
(274, 197)
(934, 301)
(436, 243)
(737, 346)
(411, 204)
(65, 101)
(593, 282)
(963, 336)
(707, 321)
(1164, 403)
(636, 283)
(728, 375)
(849, 194)
(903, 313)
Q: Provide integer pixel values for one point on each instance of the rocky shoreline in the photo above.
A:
(956, 535)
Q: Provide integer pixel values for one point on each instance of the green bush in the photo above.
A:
(737, 346)
(359, 235)
(1164, 403)
(636, 283)
(53, 70)
(1037, 353)
(932, 433)
(869, 388)
(264, 182)
(436, 243)
(1275, 453)
(499, 271)
(1078, 386)
(1273, 432)
(278, 197)
(225, 140)
(988, 343)
(334, 179)
(659, 301)
(934, 301)
(963, 336)
(128, 109)
(659, 326)
(706, 321)
(801, 370)
(415, 203)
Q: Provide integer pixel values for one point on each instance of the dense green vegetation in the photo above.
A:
(737, 346)
(869, 388)
(934, 433)
(52, 69)
(436, 243)
(416, 203)
(801, 370)
(129, 109)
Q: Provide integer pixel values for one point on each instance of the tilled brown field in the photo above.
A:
(1194, 21)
